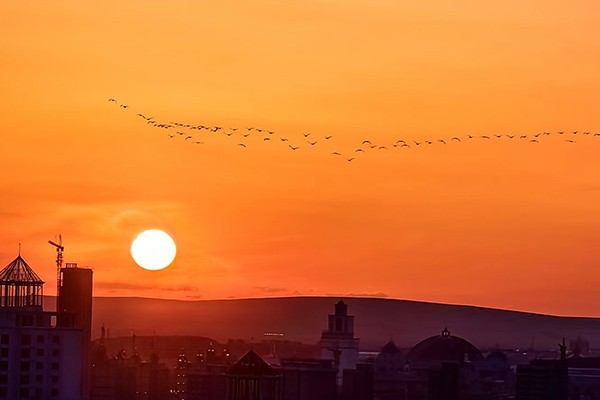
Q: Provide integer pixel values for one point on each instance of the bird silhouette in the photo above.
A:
(570, 141)
(284, 139)
(442, 141)
(455, 138)
(242, 145)
(124, 106)
(306, 134)
(350, 159)
(189, 137)
(328, 137)
(366, 142)
(294, 148)
(359, 150)
(335, 153)
(312, 143)
(265, 139)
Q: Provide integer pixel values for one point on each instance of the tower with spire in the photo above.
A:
(338, 342)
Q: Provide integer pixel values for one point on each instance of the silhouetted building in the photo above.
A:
(74, 307)
(542, 380)
(251, 378)
(358, 383)
(38, 360)
(127, 378)
(388, 373)
(206, 383)
(338, 342)
(443, 360)
(309, 379)
(443, 382)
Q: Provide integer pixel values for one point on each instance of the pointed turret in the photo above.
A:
(20, 286)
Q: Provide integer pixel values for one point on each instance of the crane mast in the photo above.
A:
(59, 259)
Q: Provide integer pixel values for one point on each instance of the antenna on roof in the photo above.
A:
(59, 259)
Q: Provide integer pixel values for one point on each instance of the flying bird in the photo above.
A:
(335, 153)
(350, 159)
(242, 145)
(328, 137)
(455, 138)
(306, 134)
(312, 143)
(284, 139)
(294, 148)
(442, 141)
(359, 150)
(189, 137)
(366, 142)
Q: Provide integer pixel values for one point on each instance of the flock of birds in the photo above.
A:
(195, 134)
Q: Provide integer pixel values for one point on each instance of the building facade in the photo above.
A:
(38, 359)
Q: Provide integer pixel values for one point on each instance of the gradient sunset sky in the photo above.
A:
(500, 223)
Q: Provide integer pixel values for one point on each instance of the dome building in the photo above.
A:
(443, 348)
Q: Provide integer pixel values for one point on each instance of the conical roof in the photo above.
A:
(18, 271)
(252, 364)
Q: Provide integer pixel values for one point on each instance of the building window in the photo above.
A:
(39, 365)
(54, 392)
(54, 366)
(26, 339)
(39, 378)
(40, 352)
(4, 339)
(3, 379)
(3, 365)
(4, 352)
(56, 339)
(24, 379)
(24, 392)
(24, 366)
(54, 379)
(56, 352)
(40, 339)
(25, 353)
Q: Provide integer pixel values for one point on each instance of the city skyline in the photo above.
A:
(494, 223)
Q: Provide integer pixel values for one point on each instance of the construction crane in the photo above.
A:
(59, 259)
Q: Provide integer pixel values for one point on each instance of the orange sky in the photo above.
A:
(500, 223)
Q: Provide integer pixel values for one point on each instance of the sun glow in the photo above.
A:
(153, 250)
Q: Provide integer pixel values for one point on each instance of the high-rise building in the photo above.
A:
(543, 380)
(39, 359)
(338, 342)
(74, 308)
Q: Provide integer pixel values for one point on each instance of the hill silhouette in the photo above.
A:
(303, 318)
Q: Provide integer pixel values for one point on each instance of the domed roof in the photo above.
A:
(390, 348)
(443, 348)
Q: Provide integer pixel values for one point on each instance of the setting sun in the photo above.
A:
(153, 249)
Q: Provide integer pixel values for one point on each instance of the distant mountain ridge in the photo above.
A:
(303, 319)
